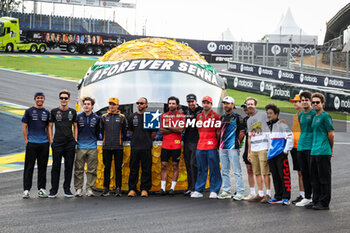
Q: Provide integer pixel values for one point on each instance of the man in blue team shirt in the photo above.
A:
(88, 132)
(232, 133)
(35, 122)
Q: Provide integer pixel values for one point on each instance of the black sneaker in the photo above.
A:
(298, 199)
(52, 194)
(188, 193)
(118, 193)
(105, 193)
(320, 207)
(309, 206)
(171, 192)
(161, 192)
(68, 193)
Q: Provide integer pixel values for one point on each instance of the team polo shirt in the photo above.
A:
(321, 125)
(296, 130)
(207, 135)
(37, 120)
(231, 125)
(63, 120)
(305, 139)
(172, 141)
(88, 130)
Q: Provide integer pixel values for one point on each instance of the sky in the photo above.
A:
(248, 20)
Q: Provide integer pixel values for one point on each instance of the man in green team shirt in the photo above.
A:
(321, 153)
(305, 145)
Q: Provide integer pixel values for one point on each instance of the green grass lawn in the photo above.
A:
(76, 69)
(71, 68)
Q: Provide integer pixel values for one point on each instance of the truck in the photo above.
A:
(31, 40)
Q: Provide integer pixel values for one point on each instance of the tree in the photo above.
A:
(9, 5)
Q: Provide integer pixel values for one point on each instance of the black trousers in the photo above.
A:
(191, 164)
(107, 161)
(321, 179)
(145, 157)
(67, 151)
(304, 165)
(279, 167)
(40, 153)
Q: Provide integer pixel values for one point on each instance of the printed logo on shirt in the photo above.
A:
(59, 116)
(70, 116)
(135, 121)
(44, 116)
(256, 129)
(151, 120)
(177, 141)
(210, 142)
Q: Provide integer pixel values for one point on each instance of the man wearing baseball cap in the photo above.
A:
(232, 133)
(296, 133)
(191, 137)
(113, 127)
(35, 132)
(208, 124)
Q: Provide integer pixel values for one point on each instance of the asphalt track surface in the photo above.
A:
(157, 214)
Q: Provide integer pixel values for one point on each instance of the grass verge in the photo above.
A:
(71, 68)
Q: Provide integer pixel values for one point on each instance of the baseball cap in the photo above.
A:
(39, 94)
(228, 99)
(296, 98)
(244, 104)
(191, 97)
(113, 100)
(207, 98)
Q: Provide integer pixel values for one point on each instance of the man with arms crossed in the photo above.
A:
(232, 133)
(141, 150)
(88, 133)
(171, 129)
(305, 145)
(321, 153)
(35, 123)
(63, 144)
(257, 150)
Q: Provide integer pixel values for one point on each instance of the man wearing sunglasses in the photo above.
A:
(113, 128)
(35, 131)
(305, 145)
(141, 150)
(321, 153)
(63, 145)
(296, 134)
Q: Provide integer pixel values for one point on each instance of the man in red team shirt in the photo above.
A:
(208, 124)
(172, 126)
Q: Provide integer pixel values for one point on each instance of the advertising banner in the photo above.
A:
(289, 76)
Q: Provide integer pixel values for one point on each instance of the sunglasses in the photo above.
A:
(110, 103)
(64, 98)
(140, 103)
(316, 102)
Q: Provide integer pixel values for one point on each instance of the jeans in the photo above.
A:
(205, 158)
(227, 158)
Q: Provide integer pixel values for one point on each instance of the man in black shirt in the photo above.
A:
(191, 137)
(141, 150)
(63, 144)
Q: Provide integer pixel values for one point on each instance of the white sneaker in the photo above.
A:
(246, 198)
(79, 193)
(303, 202)
(196, 195)
(237, 197)
(213, 195)
(25, 194)
(42, 193)
(224, 195)
(89, 193)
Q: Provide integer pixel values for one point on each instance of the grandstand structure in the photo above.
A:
(65, 24)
